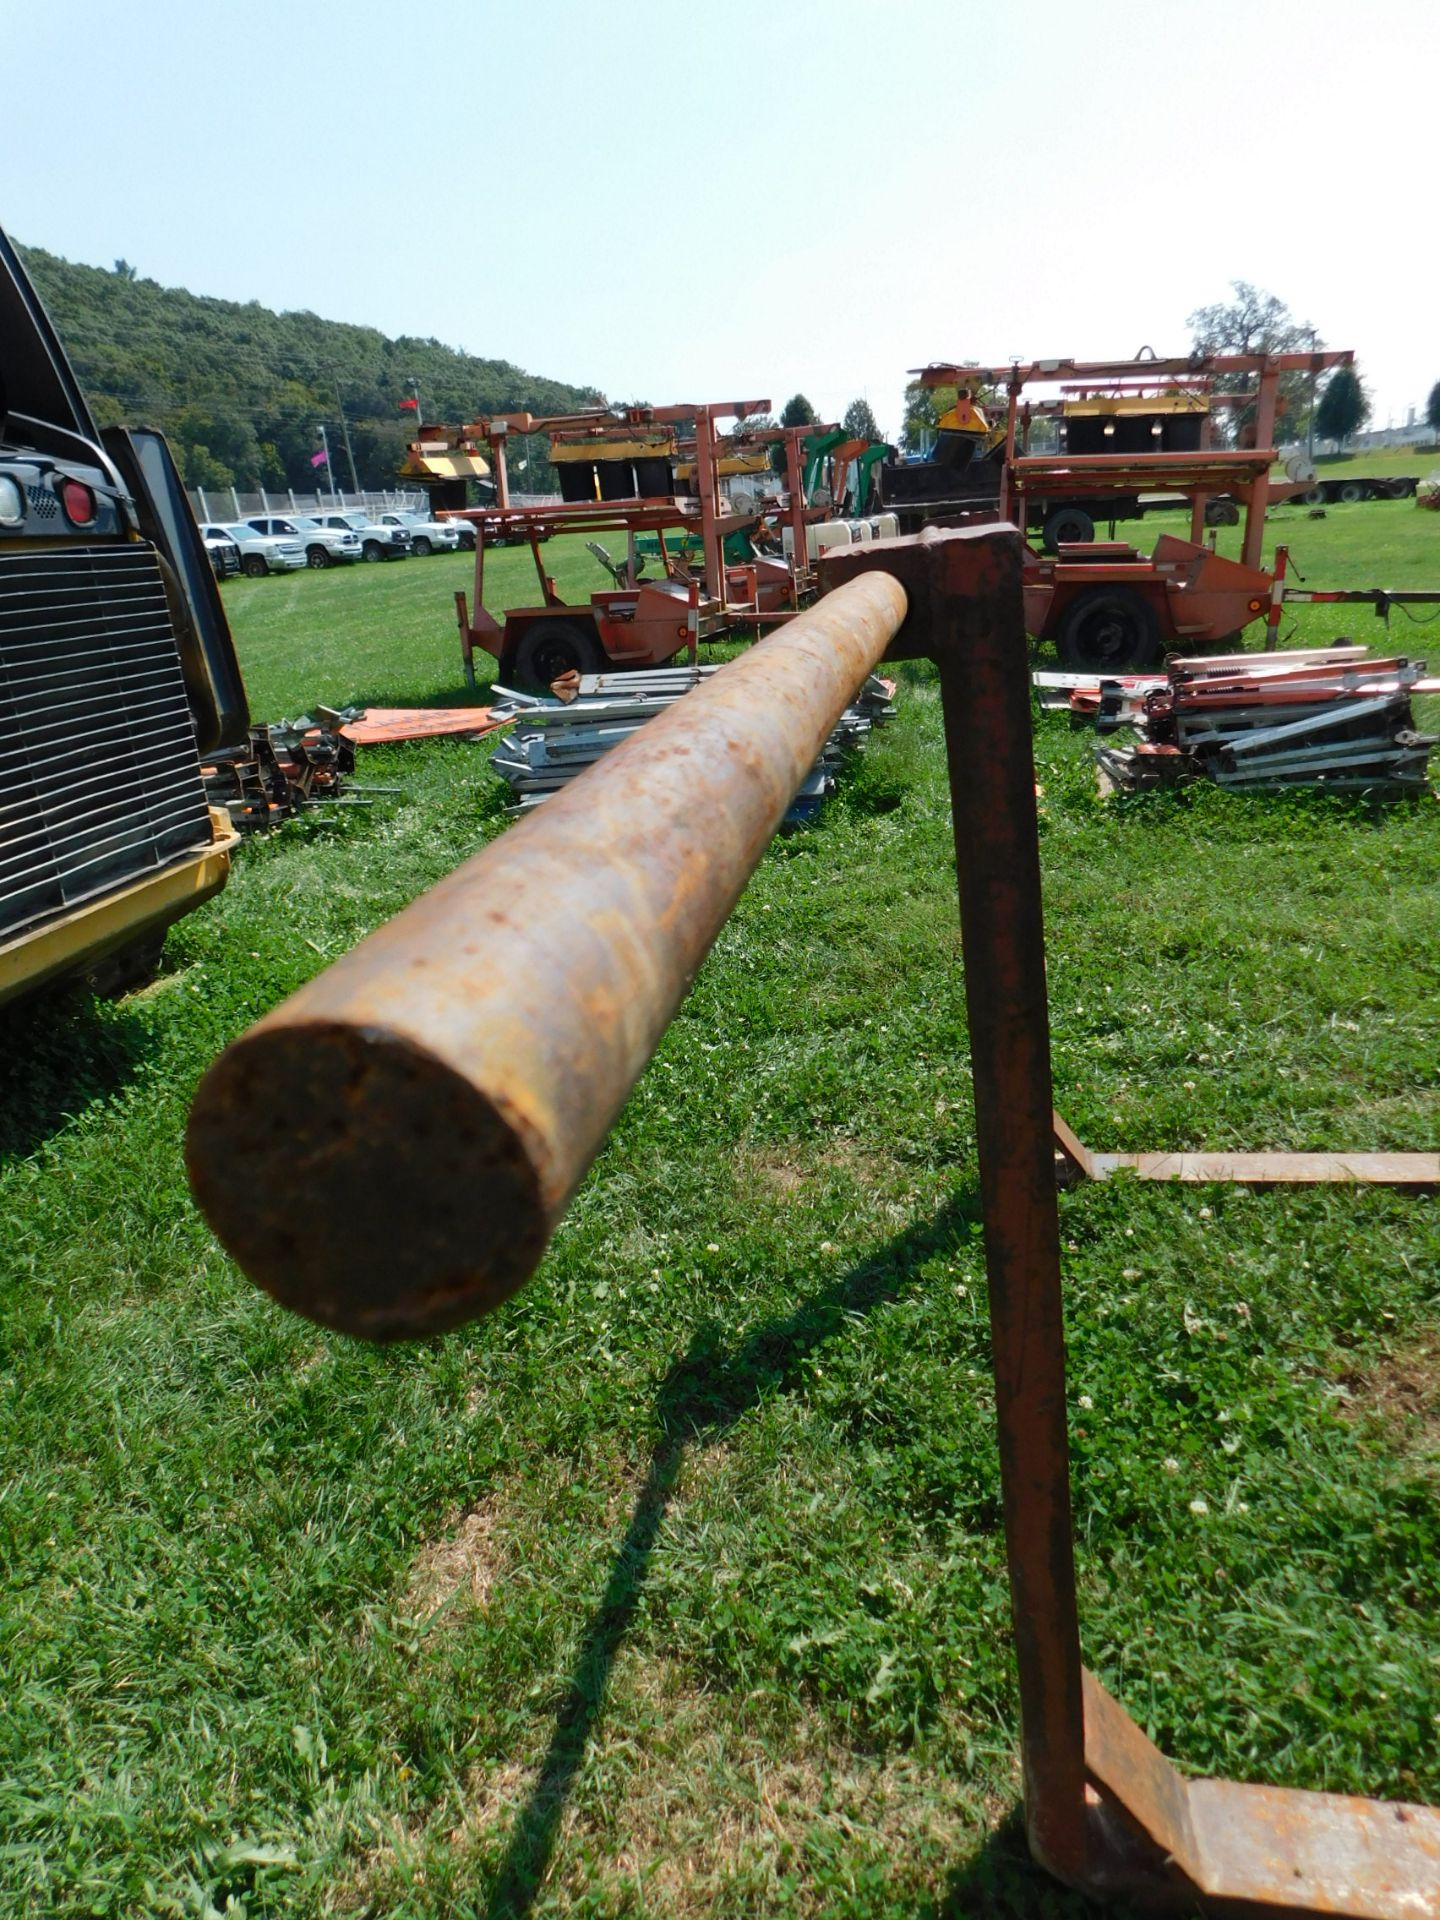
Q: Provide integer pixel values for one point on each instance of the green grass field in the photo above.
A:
(677, 1588)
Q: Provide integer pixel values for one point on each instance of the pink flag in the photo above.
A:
(320, 459)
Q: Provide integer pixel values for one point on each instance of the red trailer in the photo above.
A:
(1108, 607)
(638, 622)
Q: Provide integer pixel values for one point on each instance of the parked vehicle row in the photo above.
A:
(280, 543)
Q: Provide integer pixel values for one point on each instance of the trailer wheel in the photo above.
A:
(552, 647)
(1067, 526)
(1109, 630)
(1315, 497)
(1351, 492)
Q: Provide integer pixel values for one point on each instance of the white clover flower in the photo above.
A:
(1199, 1506)
(1086, 1402)
(1171, 1465)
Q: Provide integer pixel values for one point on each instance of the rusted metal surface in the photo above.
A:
(970, 599)
(457, 1072)
(1223, 1846)
(637, 626)
(1088, 372)
(1216, 599)
(379, 724)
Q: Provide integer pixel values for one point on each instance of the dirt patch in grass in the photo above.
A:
(786, 1171)
(711, 1804)
(1402, 1390)
(466, 1560)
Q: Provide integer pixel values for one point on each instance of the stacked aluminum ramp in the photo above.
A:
(551, 741)
(1331, 718)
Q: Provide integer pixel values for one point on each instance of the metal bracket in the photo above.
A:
(1105, 1810)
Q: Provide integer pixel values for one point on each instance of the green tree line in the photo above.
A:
(240, 390)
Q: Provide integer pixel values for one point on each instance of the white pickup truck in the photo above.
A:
(324, 546)
(377, 541)
(426, 535)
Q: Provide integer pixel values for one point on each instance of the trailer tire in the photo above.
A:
(1353, 491)
(1315, 497)
(1109, 630)
(552, 647)
(1069, 526)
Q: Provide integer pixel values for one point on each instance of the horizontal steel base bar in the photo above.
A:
(1250, 1169)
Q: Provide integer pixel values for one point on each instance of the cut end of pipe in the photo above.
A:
(363, 1183)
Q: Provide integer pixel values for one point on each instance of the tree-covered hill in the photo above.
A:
(241, 390)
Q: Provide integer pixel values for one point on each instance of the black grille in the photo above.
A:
(99, 779)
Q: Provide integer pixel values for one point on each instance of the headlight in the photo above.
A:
(12, 502)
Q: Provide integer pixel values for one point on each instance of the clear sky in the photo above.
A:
(735, 200)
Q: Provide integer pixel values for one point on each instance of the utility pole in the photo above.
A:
(345, 430)
(325, 448)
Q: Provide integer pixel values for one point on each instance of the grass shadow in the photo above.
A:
(704, 1395)
(1000, 1881)
(61, 1051)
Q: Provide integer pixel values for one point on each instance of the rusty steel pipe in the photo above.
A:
(390, 1151)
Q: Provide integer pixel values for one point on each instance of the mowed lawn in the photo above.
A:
(677, 1587)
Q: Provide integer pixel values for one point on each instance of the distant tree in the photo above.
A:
(202, 469)
(124, 270)
(1432, 411)
(1344, 406)
(796, 412)
(859, 422)
(922, 407)
(1254, 322)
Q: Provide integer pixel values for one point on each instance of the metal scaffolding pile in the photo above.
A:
(551, 741)
(1330, 718)
(283, 770)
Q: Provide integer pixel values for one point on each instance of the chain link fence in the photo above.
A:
(216, 505)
